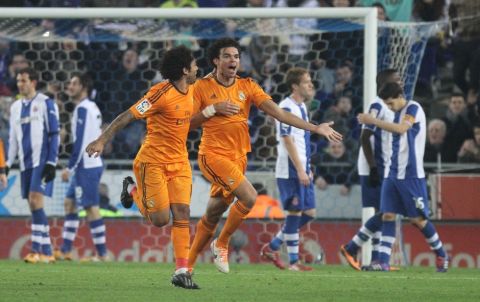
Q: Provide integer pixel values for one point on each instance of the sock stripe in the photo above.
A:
(181, 224)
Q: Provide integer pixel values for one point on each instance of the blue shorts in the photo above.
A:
(407, 197)
(294, 196)
(84, 187)
(31, 181)
(370, 195)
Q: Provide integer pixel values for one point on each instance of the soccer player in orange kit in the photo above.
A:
(225, 143)
(161, 167)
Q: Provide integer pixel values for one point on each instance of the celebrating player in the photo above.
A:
(34, 138)
(404, 190)
(225, 143)
(85, 171)
(161, 167)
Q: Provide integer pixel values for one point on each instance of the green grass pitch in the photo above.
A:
(73, 281)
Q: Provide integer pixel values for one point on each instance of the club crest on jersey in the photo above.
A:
(242, 96)
(150, 203)
(231, 181)
(143, 106)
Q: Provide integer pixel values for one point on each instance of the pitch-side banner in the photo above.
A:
(134, 240)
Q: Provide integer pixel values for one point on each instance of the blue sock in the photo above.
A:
(433, 239)
(277, 241)
(97, 229)
(386, 241)
(291, 237)
(70, 227)
(38, 228)
(367, 230)
(375, 245)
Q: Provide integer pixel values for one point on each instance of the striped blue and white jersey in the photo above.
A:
(408, 148)
(301, 138)
(34, 132)
(86, 127)
(380, 140)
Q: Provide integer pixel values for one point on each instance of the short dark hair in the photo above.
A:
(390, 90)
(294, 76)
(214, 50)
(85, 80)
(384, 76)
(32, 73)
(174, 61)
(457, 95)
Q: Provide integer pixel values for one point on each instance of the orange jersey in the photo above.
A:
(168, 113)
(227, 135)
(2, 155)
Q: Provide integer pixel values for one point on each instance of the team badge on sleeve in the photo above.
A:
(143, 106)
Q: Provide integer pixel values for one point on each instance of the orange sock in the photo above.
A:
(203, 234)
(181, 242)
(238, 212)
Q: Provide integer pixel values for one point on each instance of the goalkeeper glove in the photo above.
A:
(373, 177)
(48, 173)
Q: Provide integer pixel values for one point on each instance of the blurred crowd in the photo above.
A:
(123, 70)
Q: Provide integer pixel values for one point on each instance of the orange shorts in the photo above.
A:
(224, 174)
(159, 185)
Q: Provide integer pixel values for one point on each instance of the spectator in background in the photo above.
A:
(399, 11)
(458, 126)
(4, 58)
(381, 12)
(435, 146)
(466, 47)
(338, 3)
(334, 167)
(341, 114)
(18, 62)
(430, 11)
(470, 150)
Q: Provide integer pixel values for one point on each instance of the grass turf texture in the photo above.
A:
(72, 281)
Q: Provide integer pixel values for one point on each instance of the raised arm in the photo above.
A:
(400, 128)
(95, 148)
(325, 129)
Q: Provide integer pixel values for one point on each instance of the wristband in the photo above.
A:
(209, 111)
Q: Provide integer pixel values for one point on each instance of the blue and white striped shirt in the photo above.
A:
(86, 127)
(380, 140)
(34, 132)
(408, 148)
(301, 138)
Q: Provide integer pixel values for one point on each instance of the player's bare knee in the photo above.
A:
(418, 222)
(249, 202)
(389, 216)
(180, 211)
(160, 219)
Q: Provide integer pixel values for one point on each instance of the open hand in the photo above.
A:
(326, 130)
